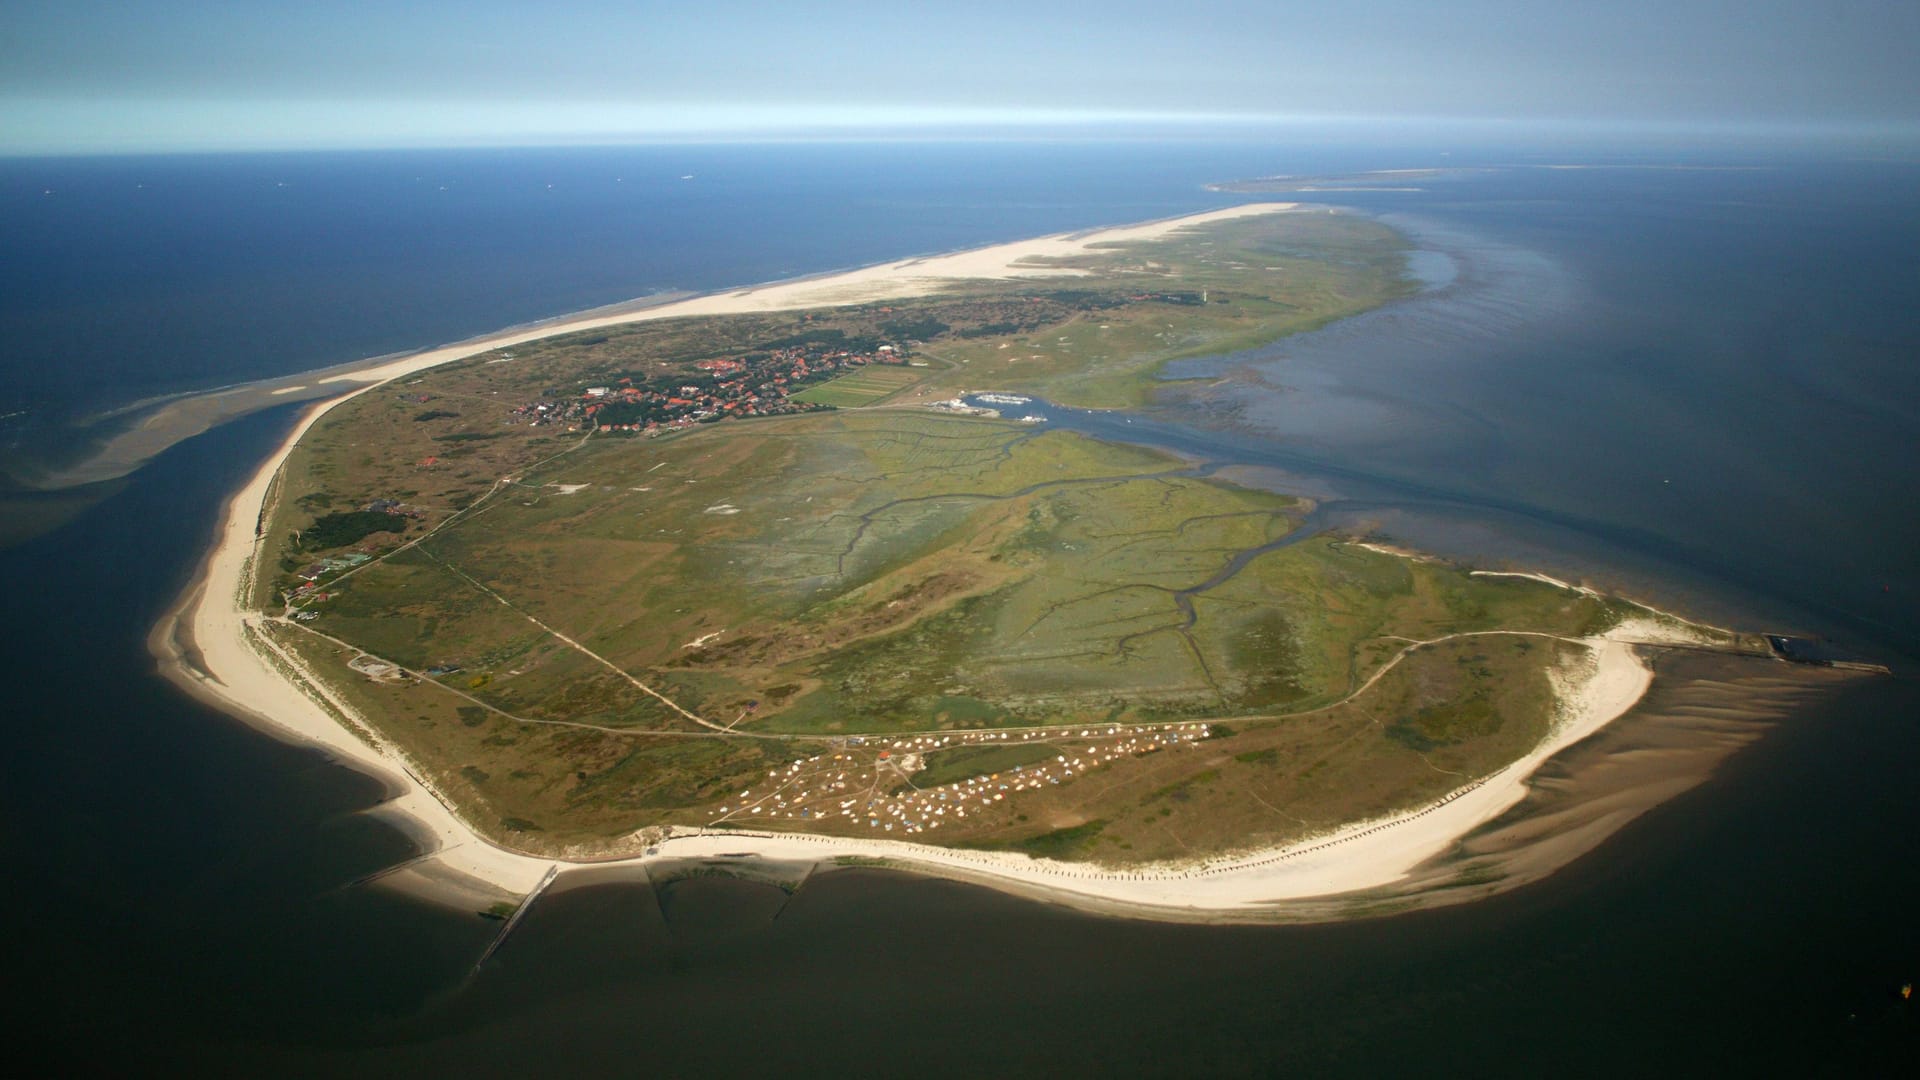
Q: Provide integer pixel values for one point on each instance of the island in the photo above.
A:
(823, 573)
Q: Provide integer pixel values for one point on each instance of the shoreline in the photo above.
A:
(209, 645)
(151, 425)
(172, 418)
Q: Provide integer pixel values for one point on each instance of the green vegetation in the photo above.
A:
(340, 529)
(968, 761)
(863, 387)
(860, 573)
(1068, 843)
(619, 631)
(923, 328)
(1260, 277)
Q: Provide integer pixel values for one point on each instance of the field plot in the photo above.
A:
(864, 387)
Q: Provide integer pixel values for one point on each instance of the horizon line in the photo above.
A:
(704, 127)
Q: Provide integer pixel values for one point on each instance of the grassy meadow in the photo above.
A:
(596, 631)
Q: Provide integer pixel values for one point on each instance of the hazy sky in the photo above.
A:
(162, 74)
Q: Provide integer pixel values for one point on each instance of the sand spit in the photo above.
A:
(168, 423)
(1703, 709)
(214, 646)
(888, 281)
(211, 645)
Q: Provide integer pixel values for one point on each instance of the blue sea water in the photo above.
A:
(1695, 382)
(130, 277)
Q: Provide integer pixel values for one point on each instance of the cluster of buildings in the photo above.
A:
(313, 574)
(315, 571)
(758, 384)
(874, 786)
(394, 507)
(1188, 298)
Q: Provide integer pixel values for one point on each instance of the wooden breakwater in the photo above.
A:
(513, 920)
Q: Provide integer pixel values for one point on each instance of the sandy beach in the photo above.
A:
(210, 645)
(166, 423)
